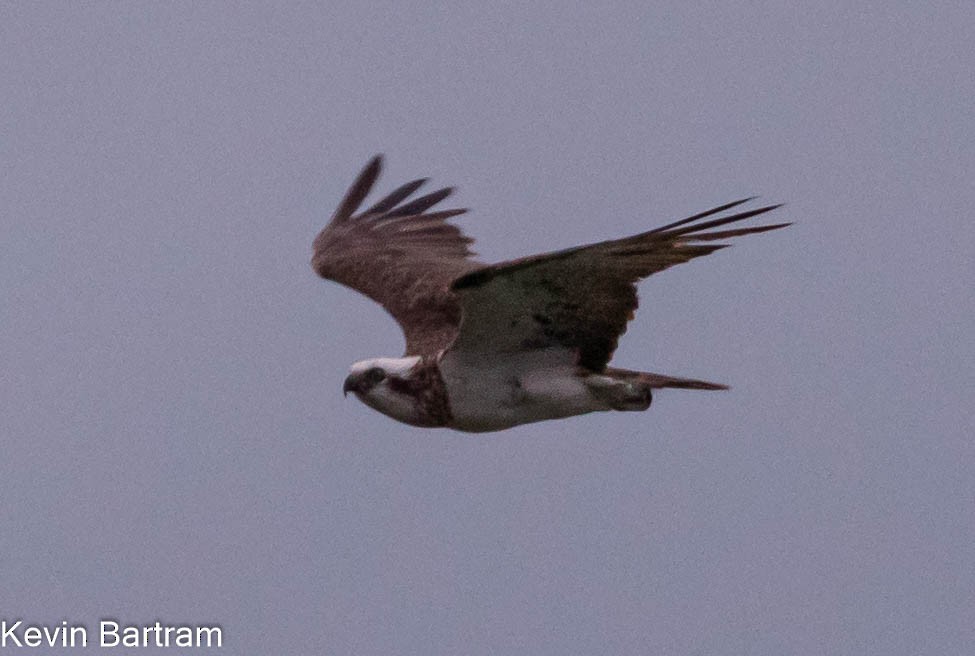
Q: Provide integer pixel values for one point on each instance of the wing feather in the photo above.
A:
(359, 190)
(581, 298)
(423, 203)
(400, 256)
(396, 197)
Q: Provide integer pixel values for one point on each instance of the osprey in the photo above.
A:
(489, 347)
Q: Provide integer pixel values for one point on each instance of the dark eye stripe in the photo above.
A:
(375, 375)
(401, 386)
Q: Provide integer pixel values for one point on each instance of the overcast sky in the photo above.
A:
(175, 442)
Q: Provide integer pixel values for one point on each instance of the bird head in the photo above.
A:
(384, 385)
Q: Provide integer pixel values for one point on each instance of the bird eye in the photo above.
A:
(375, 375)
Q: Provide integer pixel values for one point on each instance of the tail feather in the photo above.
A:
(659, 381)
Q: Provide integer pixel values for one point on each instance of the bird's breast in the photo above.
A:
(500, 392)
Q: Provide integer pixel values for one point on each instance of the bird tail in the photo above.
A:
(620, 389)
(659, 381)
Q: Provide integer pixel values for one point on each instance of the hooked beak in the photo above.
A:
(351, 385)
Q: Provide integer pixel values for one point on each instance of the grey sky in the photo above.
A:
(176, 444)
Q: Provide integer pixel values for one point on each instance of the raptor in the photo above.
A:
(493, 346)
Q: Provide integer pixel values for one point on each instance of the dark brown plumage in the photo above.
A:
(419, 268)
(400, 256)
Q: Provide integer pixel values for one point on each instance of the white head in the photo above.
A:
(383, 384)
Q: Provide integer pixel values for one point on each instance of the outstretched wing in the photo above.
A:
(400, 255)
(581, 298)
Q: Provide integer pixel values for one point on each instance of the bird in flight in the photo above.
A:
(493, 346)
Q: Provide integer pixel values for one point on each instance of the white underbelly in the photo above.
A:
(515, 390)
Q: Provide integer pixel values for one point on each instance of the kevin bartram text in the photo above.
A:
(110, 633)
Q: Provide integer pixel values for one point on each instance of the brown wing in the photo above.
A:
(581, 298)
(399, 255)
